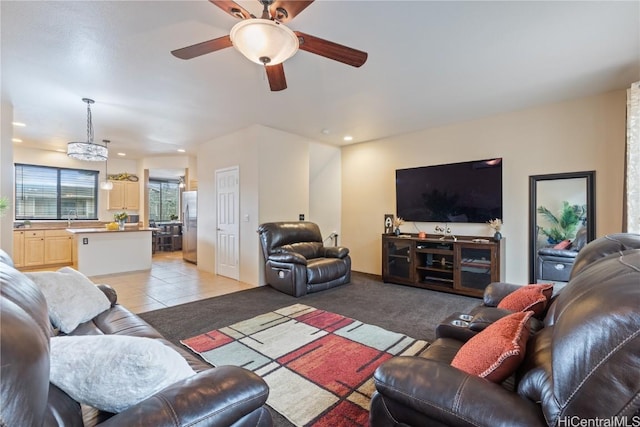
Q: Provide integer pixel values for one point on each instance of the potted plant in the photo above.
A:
(4, 205)
(120, 218)
(564, 225)
(397, 222)
(496, 226)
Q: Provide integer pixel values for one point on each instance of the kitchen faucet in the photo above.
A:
(75, 214)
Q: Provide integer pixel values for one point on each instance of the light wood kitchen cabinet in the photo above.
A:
(57, 247)
(18, 249)
(124, 195)
(38, 248)
(33, 248)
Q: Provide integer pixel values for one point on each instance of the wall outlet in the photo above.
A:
(85, 240)
(301, 217)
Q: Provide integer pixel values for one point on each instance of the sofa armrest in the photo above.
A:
(335, 252)
(288, 257)
(216, 397)
(496, 291)
(419, 391)
(111, 293)
(560, 253)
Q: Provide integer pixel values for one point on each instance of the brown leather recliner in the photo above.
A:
(583, 364)
(296, 260)
(221, 396)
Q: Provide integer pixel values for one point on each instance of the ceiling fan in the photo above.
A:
(267, 41)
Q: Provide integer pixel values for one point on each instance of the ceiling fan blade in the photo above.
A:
(285, 10)
(275, 74)
(233, 9)
(202, 48)
(331, 50)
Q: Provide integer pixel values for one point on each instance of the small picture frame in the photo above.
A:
(388, 223)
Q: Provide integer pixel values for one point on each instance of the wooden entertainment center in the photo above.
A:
(464, 266)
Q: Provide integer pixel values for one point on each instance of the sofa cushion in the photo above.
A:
(113, 372)
(563, 244)
(309, 250)
(497, 351)
(530, 297)
(71, 297)
(321, 270)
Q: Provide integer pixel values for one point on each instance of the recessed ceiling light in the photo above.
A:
(347, 138)
(18, 124)
(16, 140)
(181, 150)
(122, 154)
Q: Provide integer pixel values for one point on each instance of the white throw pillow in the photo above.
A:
(71, 297)
(113, 372)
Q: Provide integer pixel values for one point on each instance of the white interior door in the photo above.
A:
(228, 217)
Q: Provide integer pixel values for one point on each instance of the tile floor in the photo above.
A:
(171, 281)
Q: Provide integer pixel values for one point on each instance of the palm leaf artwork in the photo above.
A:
(563, 226)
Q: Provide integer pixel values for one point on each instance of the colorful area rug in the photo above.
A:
(318, 364)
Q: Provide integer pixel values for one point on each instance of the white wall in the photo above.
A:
(276, 184)
(325, 193)
(6, 176)
(580, 135)
(236, 149)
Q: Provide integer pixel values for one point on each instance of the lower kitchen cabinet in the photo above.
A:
(39, 248)
(57, 247)
(18, 249)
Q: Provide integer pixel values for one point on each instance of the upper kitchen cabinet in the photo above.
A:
(124, 195)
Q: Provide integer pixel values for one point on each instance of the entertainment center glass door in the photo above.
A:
(476, 262)
(398, 263)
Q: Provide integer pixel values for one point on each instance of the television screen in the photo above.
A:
(456, 192)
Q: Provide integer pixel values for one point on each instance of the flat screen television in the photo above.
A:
(457, 192)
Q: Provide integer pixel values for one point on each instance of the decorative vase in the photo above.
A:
(397, 231)
(497, 236)
(121, 224)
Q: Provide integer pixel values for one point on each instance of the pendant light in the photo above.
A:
(106, 184)
(88, 150)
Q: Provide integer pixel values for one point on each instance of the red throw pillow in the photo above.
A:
(563, 245)
(530, 297)
(497, 351)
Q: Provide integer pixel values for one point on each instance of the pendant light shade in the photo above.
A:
(106, 185)
(264, 41)
(88, 150)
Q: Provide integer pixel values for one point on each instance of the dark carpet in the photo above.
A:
(412, 311)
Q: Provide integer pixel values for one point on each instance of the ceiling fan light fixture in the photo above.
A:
(264, 41)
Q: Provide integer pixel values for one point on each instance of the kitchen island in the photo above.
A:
(98, 251)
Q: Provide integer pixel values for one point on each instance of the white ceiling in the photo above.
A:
(430, 63)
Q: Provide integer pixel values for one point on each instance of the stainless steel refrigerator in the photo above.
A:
(190, 226)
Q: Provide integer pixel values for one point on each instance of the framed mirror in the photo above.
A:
(561, 207)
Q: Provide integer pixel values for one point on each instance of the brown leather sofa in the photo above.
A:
(222, 396)
(582, 365)
(296, 260)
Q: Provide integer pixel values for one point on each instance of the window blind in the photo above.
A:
(44, 192)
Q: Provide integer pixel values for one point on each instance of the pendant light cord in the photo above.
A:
(89, 124)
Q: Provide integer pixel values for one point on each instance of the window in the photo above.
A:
(44, 192)
(164, 197)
